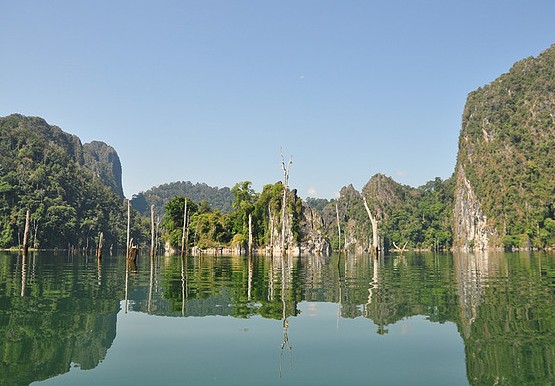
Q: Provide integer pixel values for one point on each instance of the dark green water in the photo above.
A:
(421, 319)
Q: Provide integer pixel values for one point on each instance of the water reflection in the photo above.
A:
(54, 321)
(507, 317)
(61, 311)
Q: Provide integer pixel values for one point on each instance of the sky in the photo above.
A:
(210, 91)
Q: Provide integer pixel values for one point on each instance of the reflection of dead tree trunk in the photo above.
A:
(338, 228)
(150, 285)
(285, 343)
(374, 221)
(400, 250)
(26, 233)
(284, 201)
(183, 283)
(23, 273)
(249, 278)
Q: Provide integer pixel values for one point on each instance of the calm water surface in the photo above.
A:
(418, 319)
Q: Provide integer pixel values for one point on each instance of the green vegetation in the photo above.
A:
(43, 170)
(209, 228)
(507, 148)
(419, 217)
(61, 319)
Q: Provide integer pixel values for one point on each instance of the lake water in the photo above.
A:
(418, 319)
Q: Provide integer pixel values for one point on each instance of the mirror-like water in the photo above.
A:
(428, 319)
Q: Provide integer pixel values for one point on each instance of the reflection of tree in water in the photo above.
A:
(285, 281)
(502, 305)
(65, 316)
(408, 286)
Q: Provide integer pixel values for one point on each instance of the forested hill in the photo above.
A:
(218, 198)
(62, 184)
(505, 169)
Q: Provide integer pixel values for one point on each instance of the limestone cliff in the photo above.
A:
(504, 173)
(470, 225)
(104, 162)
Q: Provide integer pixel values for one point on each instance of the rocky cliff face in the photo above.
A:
(104, 162)
(311, 229)
(505, 168)
(470, 225)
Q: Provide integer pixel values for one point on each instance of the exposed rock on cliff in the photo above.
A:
(311, 229)
(469, 222)
(104, 162)
(505, 168)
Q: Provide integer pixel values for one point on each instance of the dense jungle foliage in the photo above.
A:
(43, 170)
(417, 217)
(210, 228)
(507, 149)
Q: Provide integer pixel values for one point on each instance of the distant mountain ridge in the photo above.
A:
(218, 198)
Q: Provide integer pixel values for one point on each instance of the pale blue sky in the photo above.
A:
(208, 91)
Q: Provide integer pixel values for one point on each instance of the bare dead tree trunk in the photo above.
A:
(400, 250)
(271, 227)
(375, 242)
(338, 228)
(36, 230)
(283, 217)
(250, 234)
(128, 228)
(26, 233)
(183, 247)
(99, 246)
(157, 242)
(152, 232)
(284, 199)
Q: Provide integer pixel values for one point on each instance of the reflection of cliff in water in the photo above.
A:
(503, 304)
(508, 317)
(418, 284)
(62, 314)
